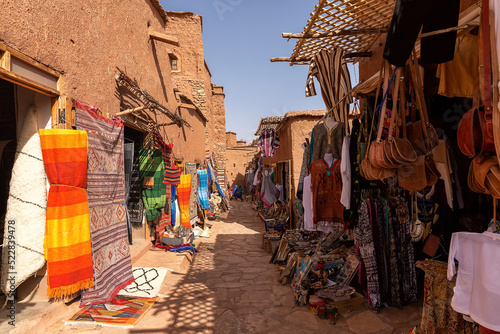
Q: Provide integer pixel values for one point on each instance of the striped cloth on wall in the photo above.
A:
(107, 209)
(67, 232)
(334, 79)
(172, 175)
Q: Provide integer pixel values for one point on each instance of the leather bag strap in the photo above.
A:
(394, 102)
(486, 66)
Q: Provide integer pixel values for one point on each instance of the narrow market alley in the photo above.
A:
(230, 287)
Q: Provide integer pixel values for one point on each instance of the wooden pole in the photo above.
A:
(163, 37)
(307, 59)
(129, 111)
(335, 33)
(367, 31)
(443, 31)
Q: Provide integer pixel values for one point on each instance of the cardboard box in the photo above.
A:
(356, 302)
(178, 241)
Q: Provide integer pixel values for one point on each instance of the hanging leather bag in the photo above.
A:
(376, 153)
(475, 130)
(400, 150)
(421, 133)
(411, 176)
(367, 169)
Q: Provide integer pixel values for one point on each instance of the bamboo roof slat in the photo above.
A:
(268, 122)
(340, 15)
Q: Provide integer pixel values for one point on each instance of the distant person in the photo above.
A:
(240, 193)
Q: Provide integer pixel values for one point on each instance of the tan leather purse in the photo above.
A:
(400, 150)
(367, 169)
(412, 176)
(421, 133)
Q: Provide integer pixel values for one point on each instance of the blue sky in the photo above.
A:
(240, 36)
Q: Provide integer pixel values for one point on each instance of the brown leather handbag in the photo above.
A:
(479, 170)
(475, 130)
(412, 176)
(367, 169)
(376, 153)
(400, 150)
(421, 133)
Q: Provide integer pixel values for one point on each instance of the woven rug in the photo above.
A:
(122, 311)
(193, 199)
(147, 282)
(184, 194)
(107, 209)
(67, 232)
(26, 207)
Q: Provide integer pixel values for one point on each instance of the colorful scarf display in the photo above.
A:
(184, 194)
(166, 150)
(154, 198)
(172, 175)
(203, 189)
(106, 193)
(67, 232)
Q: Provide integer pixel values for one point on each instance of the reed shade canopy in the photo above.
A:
(351, 25)
(271, 122)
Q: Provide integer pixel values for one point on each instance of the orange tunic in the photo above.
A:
(326, 183)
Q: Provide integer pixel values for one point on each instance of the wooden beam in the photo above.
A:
(187, 105)
(5, 60)
(28, 83)
(163, 37)
(129, 111)
(307, 59)
(335, 33)
(443, 31)
(16, 54)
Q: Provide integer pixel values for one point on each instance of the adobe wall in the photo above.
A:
(219, 125)
(237, 160)
(87, 40)
(230, 139)
(300, 129)
(193, 77)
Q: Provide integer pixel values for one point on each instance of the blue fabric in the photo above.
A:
(203, 189)
(220, 190)
(209, 173)
(172, 219)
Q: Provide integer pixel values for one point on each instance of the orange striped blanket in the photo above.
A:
(67, 232)
(184, 194)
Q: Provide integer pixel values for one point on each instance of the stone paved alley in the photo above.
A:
(230, 287)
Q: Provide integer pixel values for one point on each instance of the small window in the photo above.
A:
(234, 165)
(231, 173)
(174, 63)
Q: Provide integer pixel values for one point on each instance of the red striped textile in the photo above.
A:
(67, 231)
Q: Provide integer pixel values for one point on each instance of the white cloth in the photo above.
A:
(307, 203)
(268, 191)
(280, 189)
(256, 178)
(477, 292)
(345, 171)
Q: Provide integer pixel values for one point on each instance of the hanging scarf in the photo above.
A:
(67, 233)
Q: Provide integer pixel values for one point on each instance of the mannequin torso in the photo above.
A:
(329, 159)
(330, 123)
